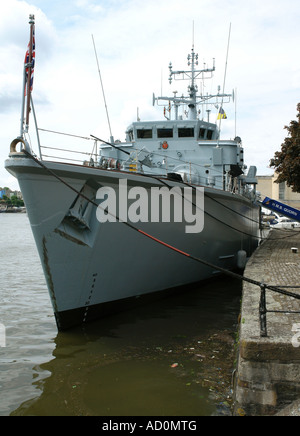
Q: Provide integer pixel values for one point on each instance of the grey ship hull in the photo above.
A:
(91, 267)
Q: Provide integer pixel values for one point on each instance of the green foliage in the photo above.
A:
(14, 201)
(287, 161)
(17, 202)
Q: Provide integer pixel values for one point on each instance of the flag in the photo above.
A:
(26, 61)
(222, 114)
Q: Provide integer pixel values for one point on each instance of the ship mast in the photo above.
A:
(192, 74)
(193, 60)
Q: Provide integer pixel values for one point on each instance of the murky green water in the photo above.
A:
(173, 357)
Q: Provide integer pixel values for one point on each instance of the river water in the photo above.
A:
(173, 357)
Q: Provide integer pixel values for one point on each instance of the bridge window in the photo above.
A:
(210, 134)
(184, 132)
(202, 133)
(165, 133)
(144, 133)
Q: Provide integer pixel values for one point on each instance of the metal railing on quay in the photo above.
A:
(263, 305)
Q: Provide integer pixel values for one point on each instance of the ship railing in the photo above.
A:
(135, 160)
(134, 165)
(263, 304)
(69, 152)
(86, 157)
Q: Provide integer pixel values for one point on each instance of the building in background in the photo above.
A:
(267, 187)
(9, 193)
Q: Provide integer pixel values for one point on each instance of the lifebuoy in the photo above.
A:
(165, 145)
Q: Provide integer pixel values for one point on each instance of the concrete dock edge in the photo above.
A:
(267, 380)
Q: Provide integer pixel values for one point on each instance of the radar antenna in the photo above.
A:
(194, 98)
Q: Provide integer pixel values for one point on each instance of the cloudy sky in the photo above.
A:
(135, 41)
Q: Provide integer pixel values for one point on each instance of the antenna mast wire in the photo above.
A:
(111, 136)
(225, 73)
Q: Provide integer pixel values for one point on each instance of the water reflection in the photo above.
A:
(172, 357)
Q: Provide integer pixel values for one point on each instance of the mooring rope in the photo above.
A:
(159, 241)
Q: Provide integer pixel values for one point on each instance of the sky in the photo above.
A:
(135, 42)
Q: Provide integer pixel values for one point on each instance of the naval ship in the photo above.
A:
(170, 206)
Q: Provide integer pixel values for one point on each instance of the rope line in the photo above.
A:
(151, 175)
(187, 255)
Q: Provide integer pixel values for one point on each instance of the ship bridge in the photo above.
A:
(171, 130)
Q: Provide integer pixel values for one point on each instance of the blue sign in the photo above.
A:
(2, 193)
(282, 209)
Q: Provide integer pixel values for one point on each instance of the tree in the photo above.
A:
(287, 161)
(17, 202)
(14, 201)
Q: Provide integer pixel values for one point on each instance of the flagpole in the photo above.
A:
(23, 103)
(31, 22)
